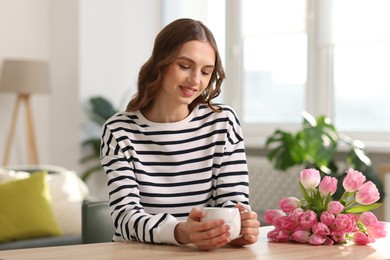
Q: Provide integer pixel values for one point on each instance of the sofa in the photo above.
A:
(40, 206)
(97, 226)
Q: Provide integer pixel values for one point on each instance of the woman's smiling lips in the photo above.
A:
(187, 92)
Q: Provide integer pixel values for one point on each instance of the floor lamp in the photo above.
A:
(24, 77)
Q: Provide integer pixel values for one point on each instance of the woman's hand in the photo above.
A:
(249, 227)
(205, 235)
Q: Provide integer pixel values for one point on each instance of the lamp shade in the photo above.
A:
(25, 76)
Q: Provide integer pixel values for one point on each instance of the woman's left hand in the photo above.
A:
(249, 227)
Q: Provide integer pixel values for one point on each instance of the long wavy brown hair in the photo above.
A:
(166, 48)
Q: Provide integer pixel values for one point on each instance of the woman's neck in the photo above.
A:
(165, 114)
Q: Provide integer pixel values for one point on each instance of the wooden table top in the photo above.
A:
(263, 249)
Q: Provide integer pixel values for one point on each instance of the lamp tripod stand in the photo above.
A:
(31, 147)
(25, 78)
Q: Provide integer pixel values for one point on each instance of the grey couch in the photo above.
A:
(97, 226)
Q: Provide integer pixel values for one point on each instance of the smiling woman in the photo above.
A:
(173, 151)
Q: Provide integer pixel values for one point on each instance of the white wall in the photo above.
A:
(64, 135)
(116, 38)
(24, 33)
(95, 47)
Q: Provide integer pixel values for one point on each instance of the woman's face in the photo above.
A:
(188, 76)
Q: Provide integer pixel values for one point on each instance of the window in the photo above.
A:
(274, 51)
(361, 84)
(325, 57)
(284, 56)
(361, 43)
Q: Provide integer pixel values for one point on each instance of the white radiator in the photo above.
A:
(267, 186)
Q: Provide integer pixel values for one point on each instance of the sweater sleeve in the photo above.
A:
(232, 185)
(130, 220)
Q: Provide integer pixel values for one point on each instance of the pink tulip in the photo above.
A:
(378, 230)
(300, 236)
(288, 204)
(316, 240)
(299, 227)
(354, 219)
(309, 218)
(271, 214)
(338, 236)
(367, 194)
(343, 223)
(328, 186)
(328, 241)
(285, 223)
(278, 235)
(320, 229)
(296, 215)
(360, 238)
(327, 218)
(310, 178)
(335, 207)
(353, 180)
(368, 218)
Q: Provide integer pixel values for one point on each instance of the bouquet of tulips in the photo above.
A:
(318, 220)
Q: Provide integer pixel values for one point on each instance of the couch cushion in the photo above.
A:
(67, 192)
(26, 210)
(9, 175)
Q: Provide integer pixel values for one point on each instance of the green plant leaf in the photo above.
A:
(362, 208)
(87, 158)
(305, 194)
(285, 153)
(315, 146)
(93, 143)
(101, 110)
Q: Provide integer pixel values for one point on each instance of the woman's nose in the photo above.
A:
(194, 78)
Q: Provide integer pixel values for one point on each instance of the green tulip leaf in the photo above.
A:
(363, 208)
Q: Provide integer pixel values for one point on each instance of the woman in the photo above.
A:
(173, 152)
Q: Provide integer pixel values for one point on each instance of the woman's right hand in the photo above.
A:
(205, 235)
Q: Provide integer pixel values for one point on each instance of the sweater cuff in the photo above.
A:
(167, 233)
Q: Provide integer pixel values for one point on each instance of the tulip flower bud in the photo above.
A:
(335, 207)
(367, 194)
(360, 238)
(300, 236)
(328, 186)
(353, 180)
(271, 214)
(327, 218)
(368, 218)
(377, 230)
(316, 240)
(288, 204)
(310, 178)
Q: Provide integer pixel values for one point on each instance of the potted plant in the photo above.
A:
(316, 145)
(101, 110)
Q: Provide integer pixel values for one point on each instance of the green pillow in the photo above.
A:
(25, 209)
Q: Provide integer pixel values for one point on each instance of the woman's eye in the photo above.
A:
(206, 73)
(184, 66)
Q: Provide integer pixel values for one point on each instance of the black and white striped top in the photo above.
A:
(157, 172)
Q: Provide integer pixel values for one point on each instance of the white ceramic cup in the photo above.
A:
(231, 216)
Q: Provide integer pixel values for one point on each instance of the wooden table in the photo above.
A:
(261, 250)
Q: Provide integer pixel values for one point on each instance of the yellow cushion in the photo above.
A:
(25, 209)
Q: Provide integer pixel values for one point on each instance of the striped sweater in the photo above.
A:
(157, 172)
